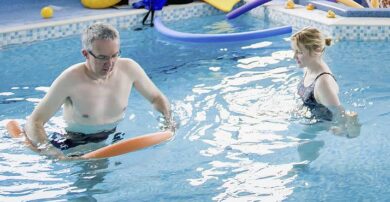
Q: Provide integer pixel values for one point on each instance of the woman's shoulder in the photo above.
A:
(326, 85)
(326, 79)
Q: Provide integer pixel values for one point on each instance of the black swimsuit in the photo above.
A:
(73, 139)
(317, 110)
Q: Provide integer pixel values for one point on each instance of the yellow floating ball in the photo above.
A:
(47, 12)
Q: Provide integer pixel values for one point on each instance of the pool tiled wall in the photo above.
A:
(346, 11)
(125, 20)
(43, 31)
(353, 31)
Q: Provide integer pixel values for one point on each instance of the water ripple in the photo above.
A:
(240, 117)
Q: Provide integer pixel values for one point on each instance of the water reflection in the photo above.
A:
(309, 149)
(26, 175)
(241, 119)
(88, 175)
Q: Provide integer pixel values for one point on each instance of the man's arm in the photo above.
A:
(146, 87)
(49, 105)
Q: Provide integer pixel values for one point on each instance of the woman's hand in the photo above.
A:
(352, 124)
(348, 126)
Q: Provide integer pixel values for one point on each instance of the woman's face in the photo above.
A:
(302, 56)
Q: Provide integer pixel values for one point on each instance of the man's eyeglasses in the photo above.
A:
(104, 57)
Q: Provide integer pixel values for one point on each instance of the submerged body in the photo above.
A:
(94, 94)
(92, 105)
(318, 110)
(318, 88)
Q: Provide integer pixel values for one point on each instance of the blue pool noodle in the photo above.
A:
(245, 8)
(213, 38)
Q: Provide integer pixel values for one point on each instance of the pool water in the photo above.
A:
(241, 134)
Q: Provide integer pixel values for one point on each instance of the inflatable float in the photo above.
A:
(213, 38)
(119, 148)
(223, 5)
(245, 8)
(99, 3)
(350, 3)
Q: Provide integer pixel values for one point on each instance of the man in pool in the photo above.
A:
(94, 95)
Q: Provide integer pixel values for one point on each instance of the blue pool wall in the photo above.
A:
(357, 32)
(126, 20)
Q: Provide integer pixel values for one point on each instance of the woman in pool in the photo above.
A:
(318, 88)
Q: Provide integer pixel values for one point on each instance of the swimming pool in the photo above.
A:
(241, 136)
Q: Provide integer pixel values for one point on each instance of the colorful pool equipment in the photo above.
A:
(350, 3)
(129, 145)
(289, 4)
(374, 4)
(236, 104)
(99, 3)
(223, 5)
(346, 11)
(310, 7)
(47, 12)
(245, 8)
(215, 38)
(152, 6)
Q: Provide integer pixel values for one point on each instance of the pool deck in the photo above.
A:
(24, 16)
(320, 17)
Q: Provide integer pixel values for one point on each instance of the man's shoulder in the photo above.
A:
(72, 72)
(128, 65)
(127, 62)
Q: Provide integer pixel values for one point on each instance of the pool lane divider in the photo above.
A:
(215, 38)
(116, 149)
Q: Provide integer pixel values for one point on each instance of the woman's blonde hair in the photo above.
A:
(311, 38)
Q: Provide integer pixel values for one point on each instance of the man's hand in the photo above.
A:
(167, 123)
(49, 150)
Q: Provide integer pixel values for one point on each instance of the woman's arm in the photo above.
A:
(326, 93)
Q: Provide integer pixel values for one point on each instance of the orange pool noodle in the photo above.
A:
(116, 149)
(129, 145)
(13, 129)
